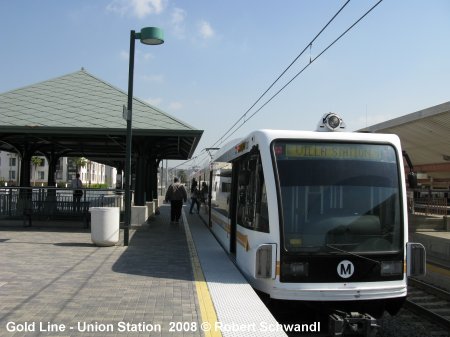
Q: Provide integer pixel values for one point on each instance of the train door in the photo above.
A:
(233, 207)
(210, 197)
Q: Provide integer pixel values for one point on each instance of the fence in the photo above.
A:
(51, 202)
(431, 206)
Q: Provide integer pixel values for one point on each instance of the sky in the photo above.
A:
(219, 57)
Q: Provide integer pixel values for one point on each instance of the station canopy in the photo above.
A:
(79, 115)
(425, 136)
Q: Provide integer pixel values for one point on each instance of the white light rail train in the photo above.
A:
(318, 217)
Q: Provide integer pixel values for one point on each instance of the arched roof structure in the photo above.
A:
(425, 136)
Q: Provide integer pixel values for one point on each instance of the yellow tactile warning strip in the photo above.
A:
(207, 310)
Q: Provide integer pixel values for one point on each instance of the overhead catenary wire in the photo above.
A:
(227, 134)
(299, 73)
(284, 71)
(202, 153)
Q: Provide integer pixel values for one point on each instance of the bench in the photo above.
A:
(56, 210)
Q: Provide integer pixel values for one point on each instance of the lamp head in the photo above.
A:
(151, 35)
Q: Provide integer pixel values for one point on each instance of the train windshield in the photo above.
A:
(339, 197)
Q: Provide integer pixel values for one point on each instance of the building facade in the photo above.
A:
(91, 173)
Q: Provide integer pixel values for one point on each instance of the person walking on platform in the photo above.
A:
(195, 199)
(204, 194)
(77, 192)
(193, 184)
(176, 194)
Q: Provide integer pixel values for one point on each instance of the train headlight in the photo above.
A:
(389, 268)
(265, 264)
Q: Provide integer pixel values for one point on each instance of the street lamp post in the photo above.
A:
(150, 36)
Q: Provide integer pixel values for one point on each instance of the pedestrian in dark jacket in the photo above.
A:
(195, 199)
(176, 194)
(204, 192)
(193, 184)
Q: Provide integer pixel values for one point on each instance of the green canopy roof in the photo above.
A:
(81, 115)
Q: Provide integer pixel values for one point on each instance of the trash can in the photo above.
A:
(105, 225)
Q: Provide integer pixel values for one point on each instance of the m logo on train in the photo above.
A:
(345, 269)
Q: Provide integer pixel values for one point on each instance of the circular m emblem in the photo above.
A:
(345, 269)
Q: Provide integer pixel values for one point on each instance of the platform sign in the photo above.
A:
(125, 113)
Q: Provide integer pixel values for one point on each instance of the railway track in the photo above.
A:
(425, 313)
(428, 301)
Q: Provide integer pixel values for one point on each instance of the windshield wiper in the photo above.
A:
(351, 253)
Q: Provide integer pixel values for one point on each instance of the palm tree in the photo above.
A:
(80, 162)
(183, 176)
(36, 161)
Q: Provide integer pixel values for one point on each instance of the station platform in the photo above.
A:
(172, 280)
(437, 246)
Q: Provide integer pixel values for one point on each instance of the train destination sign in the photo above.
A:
(371, 152)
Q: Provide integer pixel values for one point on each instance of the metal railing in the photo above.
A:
(431, 206)
(429, 202)
(15, 202)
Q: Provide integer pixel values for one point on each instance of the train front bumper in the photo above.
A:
(358, 291)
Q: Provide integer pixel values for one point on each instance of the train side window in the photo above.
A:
(220, 198)
(226, 187)
(263, 211)
(252, 208)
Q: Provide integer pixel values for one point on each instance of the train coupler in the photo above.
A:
(347, 324)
